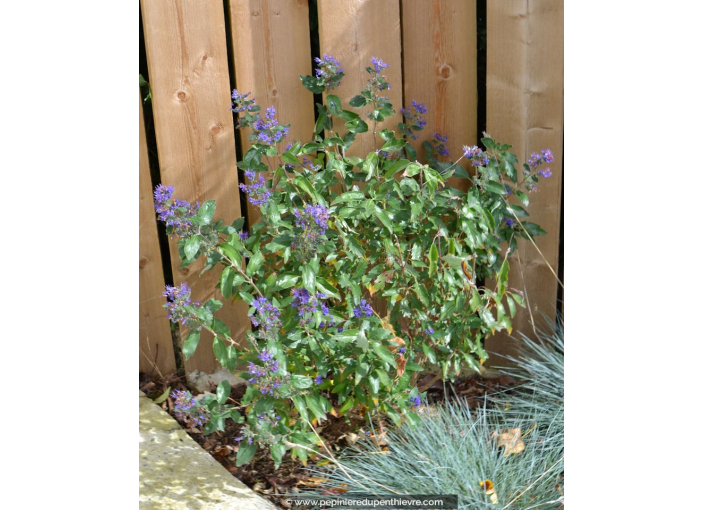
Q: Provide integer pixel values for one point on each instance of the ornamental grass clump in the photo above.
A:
(508, 453)
(338, 233)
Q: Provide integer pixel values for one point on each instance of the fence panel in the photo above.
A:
(354, 31)
(155, 345)
(525, 109)
(440, 70)
(271, 49)
(187, 59)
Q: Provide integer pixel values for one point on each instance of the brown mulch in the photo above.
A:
(260, 475)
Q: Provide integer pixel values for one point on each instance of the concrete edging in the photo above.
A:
(176, 473)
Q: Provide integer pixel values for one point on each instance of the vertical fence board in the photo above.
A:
(271, 49)
(187, 58)
(525, 109)
(440, 70)
(353, 31)
(154, 333)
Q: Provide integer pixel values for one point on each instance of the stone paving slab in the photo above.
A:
(175, 473)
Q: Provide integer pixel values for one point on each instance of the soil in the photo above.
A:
(338, 433)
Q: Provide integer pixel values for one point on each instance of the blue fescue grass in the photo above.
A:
(452, 450)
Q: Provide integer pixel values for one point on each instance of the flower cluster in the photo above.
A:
(240, 103)
(176, 213)
(413, 116)
(475, 155)
(267, 130)
(363, 308)
(429, 330)
(379, 65)
(378, 81)
(534, 162)
(307, 305)
(313, 220)
(329, 70)
(268, 317)
(188, 410)
(257, 192)
(179, 306)
(265, 377)
(415, 401)
(439, 144)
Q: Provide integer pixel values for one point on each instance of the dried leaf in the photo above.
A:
(313, 481)
(400, 364)
(510, 439)
(400, 342)
(488, 487)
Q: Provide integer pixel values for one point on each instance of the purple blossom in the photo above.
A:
(510, 222)
(413, 115)
(476, 156)
(545, 173)
(244, 236)
(429, 330)
(329, 70)
(176, 213)
(379, 65)
(313, 220)
(307, 305)
(267, 317)
(318, 379)
(188, 410)
(439, 144)
(415, 401)
(363, 308)
(263, 376)
(257, 192)
(536, 160)
(179, 307)
(402, 350)
(241, 103)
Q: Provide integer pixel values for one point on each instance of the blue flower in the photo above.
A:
(363, 308)
(415, 401)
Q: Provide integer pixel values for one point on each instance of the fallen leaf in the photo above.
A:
(488, 487)
(400, 364)
(313, 481)
(400, 342)
(510, 439)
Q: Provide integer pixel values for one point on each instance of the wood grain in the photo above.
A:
(187, 58)
(354, 31)
(154, 333)
(525, 65)
(440, 70)
(271, 49)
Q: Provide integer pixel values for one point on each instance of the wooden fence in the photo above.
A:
(431, 47)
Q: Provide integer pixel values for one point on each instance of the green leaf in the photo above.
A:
(277, 453)
(254, 263)
(358, 101)
(349, 196)
(429, 353)
(494, 187)
(503, 278)
(384, 218)
(312, 84)
(347, 335)
(220, 351)
(287, 281)
(205, 213)
(315, 406)
(223, 391)
(411, 170)
(226, 278)
(191, 246)
(300, 406)
(533, 229)
(245, 453)
(357, 126)
(327, 288)
(305, 185)
(394, 145)
(301, 382)
(231, 253)
(308, 274)
(395, 167)
(522, 197)
(334, 104)
(190, 343)
(370, 164)
(384, 354)
(433, 258)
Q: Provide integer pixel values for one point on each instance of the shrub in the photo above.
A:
(336, 232)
